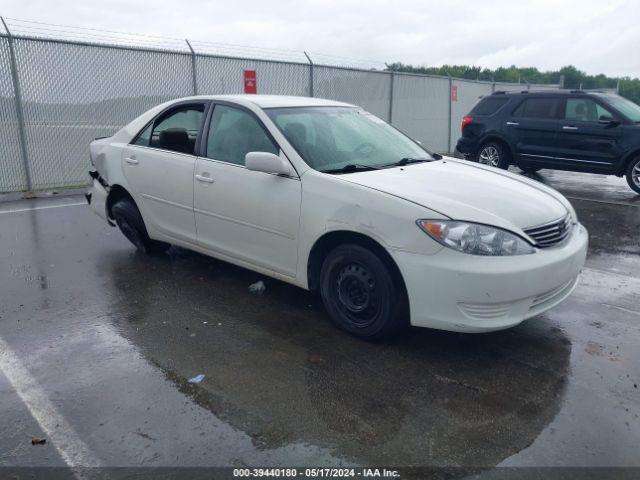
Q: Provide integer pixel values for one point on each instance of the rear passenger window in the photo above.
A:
(176, 130)
(488, 106)
(537, 108)
(234, 133)
(143, 137)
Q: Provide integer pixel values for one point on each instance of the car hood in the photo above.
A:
(463, 190)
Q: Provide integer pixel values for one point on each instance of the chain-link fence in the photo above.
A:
(57, 95)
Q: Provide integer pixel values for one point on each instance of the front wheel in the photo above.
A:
(633, 175)
(494, 155)
(361, 294)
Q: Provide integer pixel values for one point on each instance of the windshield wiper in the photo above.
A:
(351, 167)
(406, 161)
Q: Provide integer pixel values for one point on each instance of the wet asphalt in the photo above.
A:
(97, 344)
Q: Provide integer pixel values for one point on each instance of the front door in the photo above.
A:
(159, 166)
(587, 140)
(246, 215)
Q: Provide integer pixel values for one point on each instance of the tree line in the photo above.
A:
(573, 78)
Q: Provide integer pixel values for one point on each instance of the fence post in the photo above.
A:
(393, 76)
(310, 73)
(18, 105)
(450, 114)
(193, 68)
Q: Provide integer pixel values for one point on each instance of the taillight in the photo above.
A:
(466, 121)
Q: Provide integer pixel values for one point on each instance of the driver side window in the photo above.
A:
(234, 133)
(584, 110)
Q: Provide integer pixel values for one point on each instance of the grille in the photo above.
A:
(544, 300)
(550, 234)
(485, 310)
(551, 294)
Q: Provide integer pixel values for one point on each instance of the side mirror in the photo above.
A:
(266, 162)
(608, 120)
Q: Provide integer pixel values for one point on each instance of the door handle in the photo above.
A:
(203, 178)
(569, 127)
(131, 160)
(513, 123)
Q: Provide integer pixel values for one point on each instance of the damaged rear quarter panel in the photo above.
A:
(106, 152)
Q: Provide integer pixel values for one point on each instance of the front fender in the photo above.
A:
(621, 169)
(330, 204)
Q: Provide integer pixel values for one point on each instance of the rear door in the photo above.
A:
(586, 140)
(533, 129)
(159, 166)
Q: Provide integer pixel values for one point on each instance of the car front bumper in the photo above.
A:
(468, 293)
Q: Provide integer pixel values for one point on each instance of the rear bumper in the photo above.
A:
(97, 199)
(467, 293)
(467, 146)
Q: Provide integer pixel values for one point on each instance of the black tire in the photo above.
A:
(529, 169)
(494, 154)
(361, 293)
(633, 174)
(130, 223)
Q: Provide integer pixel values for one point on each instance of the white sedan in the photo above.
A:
(328, 197)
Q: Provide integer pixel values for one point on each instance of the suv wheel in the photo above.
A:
(361, 294)
(130, 223)
(494, 155)
(633, 175)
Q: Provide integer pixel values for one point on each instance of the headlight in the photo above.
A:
(474, 238)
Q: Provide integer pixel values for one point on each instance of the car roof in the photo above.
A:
(274, 101)
(552, 92)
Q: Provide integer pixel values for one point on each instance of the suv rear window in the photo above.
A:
(488, 106)
(537, 108)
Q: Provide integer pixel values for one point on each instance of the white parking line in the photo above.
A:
(60, 433)
(18, 210)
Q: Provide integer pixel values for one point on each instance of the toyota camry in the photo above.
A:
(328, 197)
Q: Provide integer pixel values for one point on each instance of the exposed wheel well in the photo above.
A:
(117, 192)
(331, 240)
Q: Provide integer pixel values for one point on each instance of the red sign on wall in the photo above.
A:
(250, 83)
(454, 93)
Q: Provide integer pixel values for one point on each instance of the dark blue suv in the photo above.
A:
(595, 132)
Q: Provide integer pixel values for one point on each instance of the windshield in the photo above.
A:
(626, 107)
(330, 138)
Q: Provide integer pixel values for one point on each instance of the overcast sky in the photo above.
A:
(598, 36)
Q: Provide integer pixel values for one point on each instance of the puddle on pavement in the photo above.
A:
(278, 370)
